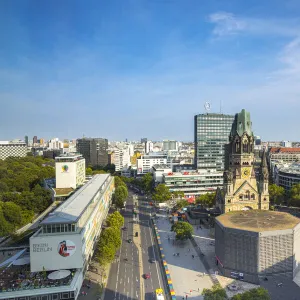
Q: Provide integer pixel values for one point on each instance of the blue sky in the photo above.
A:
(133, 68)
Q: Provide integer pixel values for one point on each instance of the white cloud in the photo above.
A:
(229, 24)
(226, 23)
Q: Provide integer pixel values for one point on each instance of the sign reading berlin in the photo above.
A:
(66, 248)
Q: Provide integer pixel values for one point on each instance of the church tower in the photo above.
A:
(241, 189)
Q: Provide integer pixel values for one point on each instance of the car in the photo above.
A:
(147, 276)
(124, 228)
(152, 260)
(129, 241)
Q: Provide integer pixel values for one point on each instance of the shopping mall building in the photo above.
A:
(61, 249)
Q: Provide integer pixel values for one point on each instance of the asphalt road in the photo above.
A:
(125, 276)
(123, 282)
(149, 251)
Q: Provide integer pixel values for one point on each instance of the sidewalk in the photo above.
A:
(188, 274)
(206, 243)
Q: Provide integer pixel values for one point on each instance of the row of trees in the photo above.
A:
(218, 293)
(21, 193)
(121, 192)
(145, 183)
(110, 239)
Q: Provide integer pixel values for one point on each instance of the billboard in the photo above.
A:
(55, 252)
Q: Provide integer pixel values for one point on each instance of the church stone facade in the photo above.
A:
(243, 190)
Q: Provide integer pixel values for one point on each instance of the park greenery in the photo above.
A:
(215, 293)
(277, 194)
(21, 193)
(110, 239)
(181, 204)
(253, 294)
(183, 230)
(161, 193)
(93, 170)
(294, 195)
(144, 184)
(219, 293)
(206, 200)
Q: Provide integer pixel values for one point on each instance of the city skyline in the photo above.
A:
(142, 68)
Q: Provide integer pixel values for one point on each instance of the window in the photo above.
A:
(65, 296)
(54, 296)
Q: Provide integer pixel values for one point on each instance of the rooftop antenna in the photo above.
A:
(207, 107)
(220, 106)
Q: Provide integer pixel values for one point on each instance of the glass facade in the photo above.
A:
(211, 134)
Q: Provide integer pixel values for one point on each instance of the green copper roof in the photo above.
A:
(242, 124)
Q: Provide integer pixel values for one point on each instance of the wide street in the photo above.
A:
(133, 259)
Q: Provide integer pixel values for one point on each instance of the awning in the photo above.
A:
(22, 261)
(59, 274)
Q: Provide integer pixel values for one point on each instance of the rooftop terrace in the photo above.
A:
(258, 220)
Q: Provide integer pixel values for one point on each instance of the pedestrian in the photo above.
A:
(186, 296)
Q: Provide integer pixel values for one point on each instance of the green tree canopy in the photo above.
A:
(88, 171)
(106, 253)
(111, 235)
(115, 220)
(181, 203)
(253, 294)
(12, 213)
(183, 230)
(121, 193)
(119, 182)
(207, 200)
(215, 293)
(147, 182)
(276, 193)
(295, 195)
(178, 194)
(162, 193)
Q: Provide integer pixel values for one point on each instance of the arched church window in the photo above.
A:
(248, 195)
(241, 197)
(253, 197)
(265, 199)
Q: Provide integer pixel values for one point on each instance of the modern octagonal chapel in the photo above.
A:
(251, 242)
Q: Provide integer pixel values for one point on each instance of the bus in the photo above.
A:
(159, 294)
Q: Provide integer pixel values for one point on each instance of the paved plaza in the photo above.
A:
(188, 274)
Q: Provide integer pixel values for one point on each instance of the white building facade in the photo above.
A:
(67, 237)
(69, 170)
(55, 144)
(12, 149)
(193, 183)
(147, 161)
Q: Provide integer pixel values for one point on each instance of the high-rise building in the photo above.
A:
(12, 149)
(210, 135)
(35, 140)
(144, 140)
(26, 139)
(242, 189)
(148, 147)
(170, 145)
(94, 150)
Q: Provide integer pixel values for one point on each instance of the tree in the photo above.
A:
(12, 213)
(276, 193)
(106, 253)
(182, 203)
(115, 220)
(119, 202)
(88, 171)
(121, 193)
(295, 195)
(183, 230)
(119, 182)
(111, 235)
(215, 293)
(253, 294)
(162, 193)
(147, 182)
(207, 200)
(178, 194)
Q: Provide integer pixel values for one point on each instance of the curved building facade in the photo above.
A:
(253, 244)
